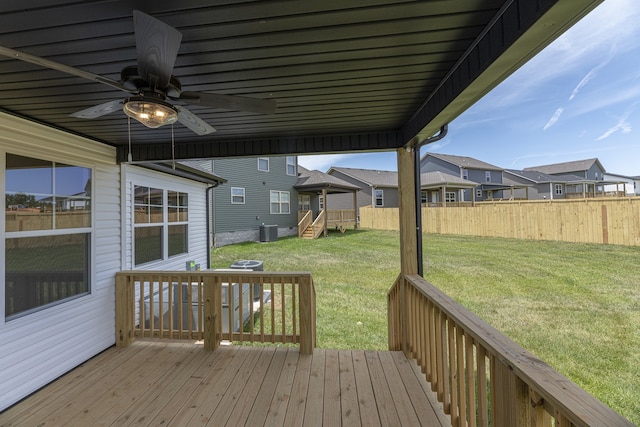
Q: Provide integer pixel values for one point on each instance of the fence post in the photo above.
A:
(212, 319)
(124, 310)
(307, 315)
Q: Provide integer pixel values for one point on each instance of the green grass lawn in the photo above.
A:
(576, 306)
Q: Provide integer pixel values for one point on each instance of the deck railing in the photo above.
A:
(245, 306)
(482, 377)
(318, 224)
(305, 218)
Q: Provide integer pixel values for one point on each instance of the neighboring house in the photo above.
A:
(313, 186)
(636, 185)
(57, 308)
(582, 178)
(442, 189)
(315, 212)
(534, 185)
(259, 191)
(487, 176)
(378, 189)
(624, 185)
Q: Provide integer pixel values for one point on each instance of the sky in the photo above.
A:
(577, 99)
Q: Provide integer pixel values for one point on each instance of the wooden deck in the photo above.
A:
(179, 383)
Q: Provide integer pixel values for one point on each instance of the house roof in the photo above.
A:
(464, 162)
(566, 167)
(362, 75)
(370, 177)
(438, 179)
(187, 170)
(314, 180)
(533, 176)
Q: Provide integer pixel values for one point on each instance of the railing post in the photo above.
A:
(307, 315)
(212, 320)
(124, 310)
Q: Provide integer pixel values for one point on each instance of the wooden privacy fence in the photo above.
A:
(482, 377)
(608, 221)
(244, 306)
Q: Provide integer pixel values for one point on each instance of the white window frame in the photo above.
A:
(321, 202)
(291, 162)
(243, 195)
(479, 193)
(51, 232)
(450, 196)
(487, 176)
(465, 174)
(164, 224)
(263, 159)
(304, 202)
(280, 203)
(557, 189)
(376, 198)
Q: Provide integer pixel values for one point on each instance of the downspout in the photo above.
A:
(430, 140)
(209, 221)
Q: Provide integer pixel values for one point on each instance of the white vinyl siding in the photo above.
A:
(37, 348)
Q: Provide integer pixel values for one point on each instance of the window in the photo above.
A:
(558, 189)
(321, 202)
(263, 164)
(378, 196)
(479, 193)
(304, 202)
(291, 165)
(280, 202)
(151, 230)
(449, 197)
(48, 234)
(487, 176)
(465, 174)
(237, 196)
(423, 197)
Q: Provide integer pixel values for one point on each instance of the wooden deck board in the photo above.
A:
(179, 383)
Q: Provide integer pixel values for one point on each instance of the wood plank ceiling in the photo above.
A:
(347, 75)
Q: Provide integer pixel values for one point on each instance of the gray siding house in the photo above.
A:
(582, 178)
(378, 189)
(488, 176)
(259, 191)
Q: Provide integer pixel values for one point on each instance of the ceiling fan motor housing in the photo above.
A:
(132, 80)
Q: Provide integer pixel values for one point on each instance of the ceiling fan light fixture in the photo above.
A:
(152, 113)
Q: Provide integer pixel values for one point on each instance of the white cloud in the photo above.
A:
(591, 74)
(554, 118)
(623, 126)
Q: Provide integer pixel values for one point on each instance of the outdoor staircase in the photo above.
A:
(311, 230)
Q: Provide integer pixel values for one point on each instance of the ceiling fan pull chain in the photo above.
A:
(129, 156)
(173, 149)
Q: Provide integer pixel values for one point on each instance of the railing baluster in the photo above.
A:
(453, 382)
(483, 402)
(460, 375)
(471, 383)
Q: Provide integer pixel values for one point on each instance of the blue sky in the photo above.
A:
(577, 99)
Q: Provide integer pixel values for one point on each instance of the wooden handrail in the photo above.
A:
(245, 306)
(318, 224)
(473, 367)
(304, 222)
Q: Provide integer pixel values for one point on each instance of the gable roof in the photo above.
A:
(463, 162)
(356, 75)
(439, 179)
(533, 175)
(567, 167)
(312, 180)
(370, 177)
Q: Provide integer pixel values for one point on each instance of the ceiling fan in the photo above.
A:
(151, 83)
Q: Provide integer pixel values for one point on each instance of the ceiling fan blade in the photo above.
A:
(230, 102)
(99, 110)
(11, 53)
(193, 122)
(157, 46)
